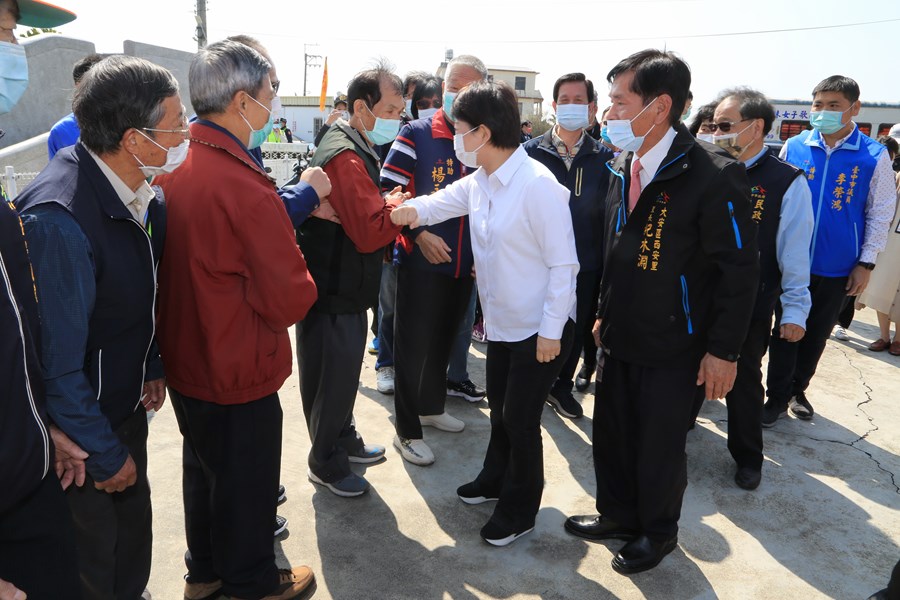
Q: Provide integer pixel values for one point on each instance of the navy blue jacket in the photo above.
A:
(588, 183)
(26, 450)
(98, 347)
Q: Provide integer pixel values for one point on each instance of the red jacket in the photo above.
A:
(231, 280)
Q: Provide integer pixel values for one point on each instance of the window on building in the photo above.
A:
(866, 128)
(884, 129)
(791, 128)
(520, 84)
(317, 125)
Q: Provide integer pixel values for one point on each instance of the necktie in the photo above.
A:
(634, 190)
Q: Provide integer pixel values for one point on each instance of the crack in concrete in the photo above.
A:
(868, 392)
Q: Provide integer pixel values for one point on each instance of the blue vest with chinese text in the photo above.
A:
(839, 183)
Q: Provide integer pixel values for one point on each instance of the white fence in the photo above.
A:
(13, 182)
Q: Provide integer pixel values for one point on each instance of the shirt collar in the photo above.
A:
(441, 126)
(752, 161)
(505, 173)
(653, 158)
(143, 194)
(817, 139)
(561, 147)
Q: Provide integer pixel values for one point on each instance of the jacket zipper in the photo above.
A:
(578, 178)
(621, 218)
(31, 402)
(737, 232)
(99, 373)
(812, 250)
(856, 237)
(686, 305)
(152, 312)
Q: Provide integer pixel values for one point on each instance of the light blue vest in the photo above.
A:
(840, 187)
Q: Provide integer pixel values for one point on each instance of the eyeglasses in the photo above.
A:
(724, 126)
(184, 132)
(275, 86)
(426, 103)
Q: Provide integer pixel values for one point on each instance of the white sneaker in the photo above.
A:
(385, 380)
(841, 334)
(415, 451)
(443, 421)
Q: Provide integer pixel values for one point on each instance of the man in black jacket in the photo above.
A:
(579, 163)
(679, 281)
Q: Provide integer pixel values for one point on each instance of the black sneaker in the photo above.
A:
(282, 494)
(583, 379)
(471, 493)
(565, 404)
(772, 412)
(800, 407)
(280, 524)
(466, 389)
(496, 535)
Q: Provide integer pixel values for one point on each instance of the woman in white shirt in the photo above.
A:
(526, 266)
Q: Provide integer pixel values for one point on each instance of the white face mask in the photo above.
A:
(706, 137)
(622, 135)
(466, 157)
(424, 113)
(572, 117)
(174, 157)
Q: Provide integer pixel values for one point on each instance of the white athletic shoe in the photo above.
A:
(443, 421)
(385, 380)
(415, 451)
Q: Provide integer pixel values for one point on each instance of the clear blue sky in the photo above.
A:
(550, 37)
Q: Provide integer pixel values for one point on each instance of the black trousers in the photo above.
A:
(847, 312)
(590, 347)
(231, 457)
(427, 314)
(517, 386)
(37, 544)
(640, 428)
(114, 532)
(330, 352)
(745, 400)
(792, 365)
(585, 315)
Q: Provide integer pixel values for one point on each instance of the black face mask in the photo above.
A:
(896, 164)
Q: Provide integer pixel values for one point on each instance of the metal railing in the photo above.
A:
(12, 181)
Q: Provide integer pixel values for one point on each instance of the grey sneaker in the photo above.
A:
(348, 487)
(280, 524)
(415, 451)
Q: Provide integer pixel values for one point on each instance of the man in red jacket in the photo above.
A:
(232, 281)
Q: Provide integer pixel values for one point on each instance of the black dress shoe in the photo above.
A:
(642, 554)
(748, 478)
(598, 527)
(585, 374)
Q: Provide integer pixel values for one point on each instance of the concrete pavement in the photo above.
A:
(824, 523)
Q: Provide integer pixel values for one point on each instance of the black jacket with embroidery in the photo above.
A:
(681, 271)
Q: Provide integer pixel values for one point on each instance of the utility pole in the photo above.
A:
(201, 24)
(309, 60)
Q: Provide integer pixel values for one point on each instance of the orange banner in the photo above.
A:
(324, 86)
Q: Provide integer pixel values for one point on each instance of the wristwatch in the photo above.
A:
(866, 265)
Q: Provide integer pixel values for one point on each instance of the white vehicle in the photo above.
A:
(792, 117)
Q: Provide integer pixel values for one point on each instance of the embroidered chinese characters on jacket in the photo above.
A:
(440, 171)
(758, 196)
(650, 252)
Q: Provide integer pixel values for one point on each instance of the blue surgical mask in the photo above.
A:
(449, 97)
(687, 114)
(409, 107)
(424, 113)
(258, 136)
(604, 134)
(13, 75)
(621, 134)
(572, 117)
(385, 130)
(827, 121)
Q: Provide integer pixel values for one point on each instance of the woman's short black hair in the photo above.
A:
(493, 104)
(704, 113)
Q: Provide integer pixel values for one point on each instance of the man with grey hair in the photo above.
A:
(231, 283)
(95, 230)
(434, 286)
(782, 209)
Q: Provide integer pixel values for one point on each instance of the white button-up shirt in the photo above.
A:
(523, 245)
(136, 201)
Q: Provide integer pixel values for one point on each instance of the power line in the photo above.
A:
(618, 39)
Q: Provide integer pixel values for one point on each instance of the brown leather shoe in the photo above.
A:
(894, 349)
(297, 583)
(879, 345)
(203, 591)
